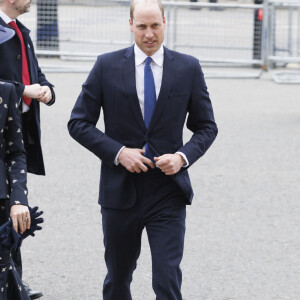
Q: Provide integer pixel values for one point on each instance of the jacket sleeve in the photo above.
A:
(85, 115)
(19, 87)
(41, 76)
(15, 153)
(200, 119)
(43, 81)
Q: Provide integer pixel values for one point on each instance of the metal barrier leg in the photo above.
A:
(298, 34)
(290, 32)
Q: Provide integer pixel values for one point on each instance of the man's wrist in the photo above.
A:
(116, 161)
(183, 156)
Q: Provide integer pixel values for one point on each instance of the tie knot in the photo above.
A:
(148, 61)
(13, 24)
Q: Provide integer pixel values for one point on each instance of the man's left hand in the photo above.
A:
(170, 164)
(46, 94)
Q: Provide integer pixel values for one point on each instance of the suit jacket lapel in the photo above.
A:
(128, 70)
(166, 84)
(3, 23)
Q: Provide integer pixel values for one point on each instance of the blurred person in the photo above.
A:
(257, 32)
(19, 64)
(146, 91)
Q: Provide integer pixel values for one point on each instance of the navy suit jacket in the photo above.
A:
(13, 175)
(11, 69)
(111, 86)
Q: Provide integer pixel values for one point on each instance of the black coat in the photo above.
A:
(11, 69)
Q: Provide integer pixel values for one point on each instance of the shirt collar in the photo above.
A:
(5, 17)
(140, 56)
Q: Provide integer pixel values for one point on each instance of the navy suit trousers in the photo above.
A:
(161, 209)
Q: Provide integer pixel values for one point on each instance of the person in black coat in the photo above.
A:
(16, 222)
(18, 64)
(13, 169)
(12, 69)
(13, 176)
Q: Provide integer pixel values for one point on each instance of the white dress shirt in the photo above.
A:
(7, 20)
(157, 70)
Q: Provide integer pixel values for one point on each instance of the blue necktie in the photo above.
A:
(149, 99)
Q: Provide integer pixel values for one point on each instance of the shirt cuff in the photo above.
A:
(53, 96)
(185, 159)
(116, 161)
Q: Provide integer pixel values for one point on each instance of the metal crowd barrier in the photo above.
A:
(227, 33)
(284, 40)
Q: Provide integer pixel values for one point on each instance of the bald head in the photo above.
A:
(134, 3)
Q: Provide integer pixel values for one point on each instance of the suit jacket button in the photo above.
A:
(18, 57)
(1, 100)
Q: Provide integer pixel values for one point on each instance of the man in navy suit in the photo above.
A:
(18, 64)
(146, 91)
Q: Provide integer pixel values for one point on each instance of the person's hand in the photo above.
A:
(45, 94)
(170, 164)
(20, 217)
(36, 221)
(134, 160)
(32, 91)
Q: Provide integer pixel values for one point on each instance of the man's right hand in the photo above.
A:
(32, 91)
(134, 160)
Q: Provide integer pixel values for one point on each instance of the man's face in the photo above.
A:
(148, 27)
(22, 6)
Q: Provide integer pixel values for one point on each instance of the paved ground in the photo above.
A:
(242, 238)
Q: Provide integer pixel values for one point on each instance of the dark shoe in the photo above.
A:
(31, 293)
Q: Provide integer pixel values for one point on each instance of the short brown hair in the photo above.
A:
(133, 4)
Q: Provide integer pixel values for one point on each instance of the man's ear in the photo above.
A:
(130, 25)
